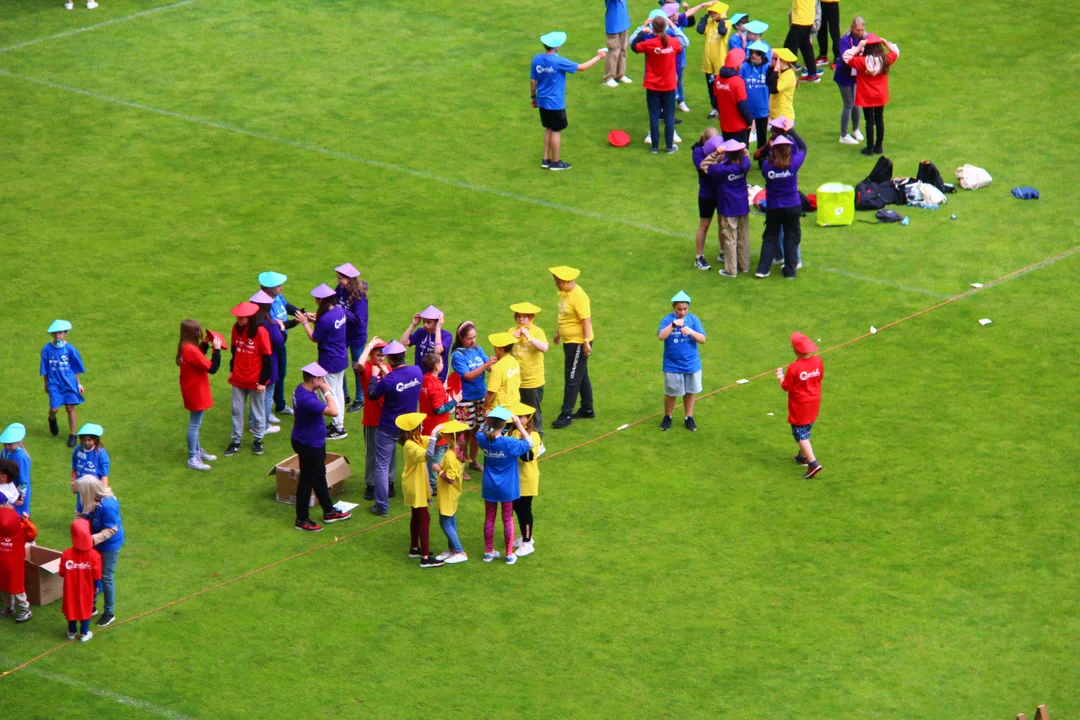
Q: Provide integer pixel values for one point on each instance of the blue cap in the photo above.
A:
(755, 26)
(13, 433)
(59, 326)
(91, 429)
(553, 39)
(760, 47)
(272, 279)
(500, 413)
(737, 18)
(680, 297)
(657, 13)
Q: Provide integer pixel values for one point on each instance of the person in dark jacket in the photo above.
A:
(783, 209)
(727, 166)
(708, 142)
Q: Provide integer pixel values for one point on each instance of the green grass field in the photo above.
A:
(152, 167)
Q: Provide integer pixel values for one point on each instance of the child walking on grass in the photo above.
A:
(61, 366)
(450, 474)
(80, 566)
(802, 382)
(528, 477)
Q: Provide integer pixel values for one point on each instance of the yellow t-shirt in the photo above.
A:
(529, 358)
(802, 12)
(716, 46)
(414, 478)
(449, 492)
(783, 102)
(529, 472)
(574, 309)
(505, 381)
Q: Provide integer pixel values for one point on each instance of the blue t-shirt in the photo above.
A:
(757, 89)
(94, 462)
(549, 72)
(22, 459)
(501, 482)
(105, 515)
(278, 311)
(329, 333)
(308, 427)
(616, 17)
(681, 351)
(424, 342)
(466, 360)
(60, 365)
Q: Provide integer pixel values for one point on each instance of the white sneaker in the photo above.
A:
(517, 542)
(677, 138)
(207, 457)
(90, 5)
(493, 555)
(457, 558)
(858, 136)
(848, 140)
(88, 635)
(511, 559)
(70, 6)
(272, 419)
(525, 549)
(799, 266)
(683, 107)
(648, 139)
(271, 429)
(71, 636)
(626, 80)
(197, 464)
(610, 83)
(443, 555)
(753, 136)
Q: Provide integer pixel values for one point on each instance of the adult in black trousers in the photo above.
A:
(830, 24)
(576, 333)
(309, 444)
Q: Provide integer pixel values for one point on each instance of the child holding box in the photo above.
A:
(15, 532)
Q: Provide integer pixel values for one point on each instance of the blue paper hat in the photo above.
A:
(553, 39)
(657, 13)
(13, 433)
(755, 26)
(500, 413)
(681, 297)
(737, 18)
(272, 279)
(59, 326)
(91, 429)
(759, 46)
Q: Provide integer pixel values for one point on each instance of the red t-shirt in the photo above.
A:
(803, 384)
(372, 408)
(79, 568)
(433, 395)
(729, 92)
(13, 553)
(247, 358)
(195, 378)
(660, 63)
(870, 90)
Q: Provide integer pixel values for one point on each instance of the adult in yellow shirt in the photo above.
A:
(414, 481)
(504, 382)
(576, 332)
(782, 84)
(529, 348)
(800, 36)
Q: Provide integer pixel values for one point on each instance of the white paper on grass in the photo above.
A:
(342, 506)
(976, 285)
(742, 382)
(771, 414)
(985, 321)
(622, 427)
(873, 330)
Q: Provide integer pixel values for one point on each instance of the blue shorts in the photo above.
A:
(59, 397)
(801, 432)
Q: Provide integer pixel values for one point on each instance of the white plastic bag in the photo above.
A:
(973, 178)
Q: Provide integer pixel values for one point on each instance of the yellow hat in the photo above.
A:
(409, 421)
(454, 426)
(501, 339)
(525, 308)
(565, 273)
(784, 54)
(718, 7)
(521, 409)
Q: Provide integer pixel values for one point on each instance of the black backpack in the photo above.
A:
(868, 196)
(882, 172)
(928, 173)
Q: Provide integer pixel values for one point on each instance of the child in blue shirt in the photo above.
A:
(548, 85)
(12, 440)
(681, 332)
(90, 457)
(61, 366)
(501, 484)
(754, 72)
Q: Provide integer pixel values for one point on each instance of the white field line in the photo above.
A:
(102, 693)
(887, 283)
(1040, 266)
(88, 28)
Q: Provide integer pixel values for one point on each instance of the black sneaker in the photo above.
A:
(369, 493)
(673, 149)
(813, 469)
(336, 434)
(72, 441)
(867, 151)
(357, 406)
(378, 512)
(665, 424)
(256, 447)
(700, 263)
(348, 399)
(232, 449)
(654, 150)
(561, 422)
(307, 526)
(391, 491)
(557, 165)
(690, 424)
(545, 163)
(678, 121)
(878, 150)
(430, 561)
(106, 620)
(336, 516)
(54, 427)
(583, 414)
(414, 553)
(800, 460)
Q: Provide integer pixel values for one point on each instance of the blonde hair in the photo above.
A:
(90, 491)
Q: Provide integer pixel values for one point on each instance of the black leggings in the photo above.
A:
(789, 219)
(420, 530)
(761, 127)
(799, 40)
(875, 120)
(830, 23)
(312, 477)
(523, 510)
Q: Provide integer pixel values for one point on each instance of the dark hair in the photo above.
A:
(878, 50)
(493, 427)
(9, 468)
(261, 317)
(546, 48)
(245, 331)
(97, 440)
(190, 332)
(461, 330)
(396, 360)
(780, 156)
(324, 305)
(429, 361)
(307, 375)
(404, 436)
(659, 27)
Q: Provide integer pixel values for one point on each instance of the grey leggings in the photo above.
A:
(850, 112)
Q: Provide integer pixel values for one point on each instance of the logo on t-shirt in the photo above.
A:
(544, 69)
(401, 387)
(807, 375)
(776, 174)
(72, 565)
(339, 322)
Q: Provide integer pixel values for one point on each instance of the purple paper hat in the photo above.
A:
(323, 291)
(670, 8)
(783, 140)
(712, 143)
(315, 369)
(781, 122)
(348, 270)
(261, 298)
(394, 348)
(431, 313)
(733, 146)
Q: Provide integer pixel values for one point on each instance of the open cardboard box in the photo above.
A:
(43, 581)
(287, 473)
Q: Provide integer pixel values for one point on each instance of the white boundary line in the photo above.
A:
(102, 693)
(88, 28)
(887, 283)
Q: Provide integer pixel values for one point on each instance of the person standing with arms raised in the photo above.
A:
(329, 334)
(575, 331)
(400, 393)
(547, 85)
(309, 444)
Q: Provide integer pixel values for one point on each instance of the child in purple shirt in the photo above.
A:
(329, 334)
(706, 199)
(429, 339)
(727, 166)
(783, 205)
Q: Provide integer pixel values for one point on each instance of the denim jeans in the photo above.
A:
(108, 567)
(680, 96)
(193, 433)
(80, 626)
(385, 449)
(780, 250)
(268, 404)
(448, 523)
(436, 459)
(354, 353)
(369, 458)
(661, 103)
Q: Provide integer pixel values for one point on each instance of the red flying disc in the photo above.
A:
(618, 138)
(453, 383)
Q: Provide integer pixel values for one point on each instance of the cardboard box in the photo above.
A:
(287, 473)
(43, 581)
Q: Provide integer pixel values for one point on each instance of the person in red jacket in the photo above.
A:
(729, 89)
(195, 372)
(15, 532)
(660, 80)
(802, 381)
(80, 566)
(437, 405)
(250, 373)
(871, 64)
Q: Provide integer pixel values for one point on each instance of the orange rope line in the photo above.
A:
(598, 438)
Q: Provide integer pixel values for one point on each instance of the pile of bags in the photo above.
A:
(926, 189)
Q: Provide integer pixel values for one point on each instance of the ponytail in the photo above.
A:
(659, 27)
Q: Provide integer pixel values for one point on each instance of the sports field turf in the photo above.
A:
(152, 167)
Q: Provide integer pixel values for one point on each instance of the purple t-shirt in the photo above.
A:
(705, 187)
(400, 391)
(277, 340)
(782, 186)
(424, 342)
(356, 315)
(730, 182)
(844, 76)
(330, 334)
(308, 427)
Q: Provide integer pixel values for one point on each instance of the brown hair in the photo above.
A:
(190, 332)
(659, 27)
(780, 156)
(357, 289)
(878, 50)
(405, 436)
(429, 361)
(325, 304)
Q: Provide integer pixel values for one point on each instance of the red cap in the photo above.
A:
(245, 309)
(802, 344)
(872, 39)
(618, 138)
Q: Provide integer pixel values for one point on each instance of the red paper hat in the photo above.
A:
(802, 344)
(245, 309)
(618, 138)
(872, 39)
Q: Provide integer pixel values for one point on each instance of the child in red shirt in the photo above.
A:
(870, 62)
(249, 374)
(195, 372)
(437, 406)
(80, 566)
(371, 366)
(15, 532)
(803, 385)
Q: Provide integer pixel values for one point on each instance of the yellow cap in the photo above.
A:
(565, 273)
(525, 308)
(784, 54)
(718, 7)
(409, 421)
(501, 339)
(521, 409)
(454, 426)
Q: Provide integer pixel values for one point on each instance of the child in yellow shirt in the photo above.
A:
(414, 482)
(504, 383)
(449, 474)
(529, 478)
